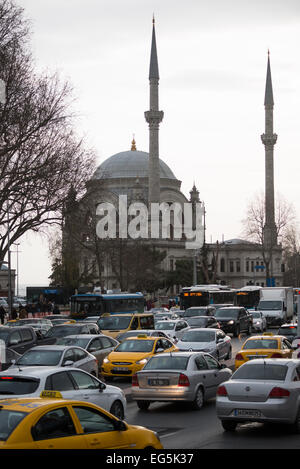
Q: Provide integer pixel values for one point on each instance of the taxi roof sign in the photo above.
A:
(54, 394)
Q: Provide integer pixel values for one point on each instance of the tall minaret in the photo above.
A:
(269, 139)
(153, 117)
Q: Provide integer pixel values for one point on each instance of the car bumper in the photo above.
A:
(111, 370)
(174, 394)
(279, 410)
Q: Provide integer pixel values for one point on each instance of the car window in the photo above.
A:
(83, 380)
(92, 420)
(59, 382)
(166, 344)
(79, 355)
(95, 345)
(201, 363)
(93, 329)
(69, 356)
(106, 343)
(54, 424)
(15, 338)
(212, 363)
(9, 420)
(26, 335)
(134, 324)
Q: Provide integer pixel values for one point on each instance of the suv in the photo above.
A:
(19, 338)
(234, 319)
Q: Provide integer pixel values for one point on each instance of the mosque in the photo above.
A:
(145, 177)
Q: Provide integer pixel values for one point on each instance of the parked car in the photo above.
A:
(149, 332)
(213, 341)
(58, 355)
(70, 382)
(98, 345)
(259, 321)
(174, 329)
(203, 321)
(263, 390)
(199, 311)
(63, 330)
(180, 376)
(19, 338)
(234, 320)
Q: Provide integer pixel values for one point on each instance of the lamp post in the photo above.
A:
(9, 264)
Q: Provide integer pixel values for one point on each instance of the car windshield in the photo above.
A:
(287, 330)
(226, 313)
(198, 336)
(114, 323)
(79, 342)
(40, 358)
(61, 331)
(165, 325)
(15, 385)
(263, 371)
(270, 305)
(167, 363)
(137, 345)
(195, 312)
(261, 344)
(199, 322)
(9, 420)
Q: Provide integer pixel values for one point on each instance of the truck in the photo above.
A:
(276, 304)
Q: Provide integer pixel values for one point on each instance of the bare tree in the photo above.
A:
(41, 157)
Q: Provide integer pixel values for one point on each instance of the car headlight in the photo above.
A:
(231, 322)
(142, 362)
(106, 360)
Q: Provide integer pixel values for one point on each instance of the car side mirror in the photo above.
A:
(68, 363)
(120, 426)
(102, 386)
(159, 350)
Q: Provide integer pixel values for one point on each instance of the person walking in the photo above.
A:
(2, 314)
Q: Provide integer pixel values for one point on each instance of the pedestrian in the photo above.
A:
(22, 313)
(2, 314)
(14, 314)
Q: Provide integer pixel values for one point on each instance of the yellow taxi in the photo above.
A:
(133, 353)
(50, 422)
(264, 346)
(114, 324)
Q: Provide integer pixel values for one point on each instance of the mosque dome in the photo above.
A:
(130, 164)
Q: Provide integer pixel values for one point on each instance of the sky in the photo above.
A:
(212, 57)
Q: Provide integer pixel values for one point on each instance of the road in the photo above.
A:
(180, 427)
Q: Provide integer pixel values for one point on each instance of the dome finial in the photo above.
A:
(133, 144)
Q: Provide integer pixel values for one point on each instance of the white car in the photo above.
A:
(213, 341)
(259, 321)
(71, 382)
(173, 328)
(58, 355)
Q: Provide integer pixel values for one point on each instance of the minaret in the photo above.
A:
(153, 117)
(269, 139)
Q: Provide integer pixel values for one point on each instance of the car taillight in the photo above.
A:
(239, 356)
(183, 380)
(279, 393)
(135, 381)
(276, 355)
(222, 391)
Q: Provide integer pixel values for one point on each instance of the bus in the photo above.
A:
(205, 295)
(248, 296)
(96, 304)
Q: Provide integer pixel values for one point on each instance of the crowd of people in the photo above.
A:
(29, 309)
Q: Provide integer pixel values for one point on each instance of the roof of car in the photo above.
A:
(35, 371)
(273, 361)
(53, 347)
(85, 336)
(206, 329)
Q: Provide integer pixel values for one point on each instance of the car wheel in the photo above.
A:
(117, 410)
(228, 425)
(143, 405)
(199, 399)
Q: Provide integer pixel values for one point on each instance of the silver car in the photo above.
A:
(259, 321)
(262, 390)
(71, 382)
(98, 345)
(213, 341)
(181, 376)
(174, 329)
(58, 355)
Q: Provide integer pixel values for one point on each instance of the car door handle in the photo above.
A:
(95, 442)
(86, 396)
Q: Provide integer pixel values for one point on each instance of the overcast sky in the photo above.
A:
(212, 61)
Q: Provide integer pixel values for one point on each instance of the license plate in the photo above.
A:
(158, 382)
(252, 357)
(247, 413)
(120, 368)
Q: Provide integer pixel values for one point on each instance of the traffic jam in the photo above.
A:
(60, 374)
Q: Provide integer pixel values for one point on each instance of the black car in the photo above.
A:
(289, 331)
(203, 321)
(199, 311)
(19, 338)
(234, 319)
(63, 330)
